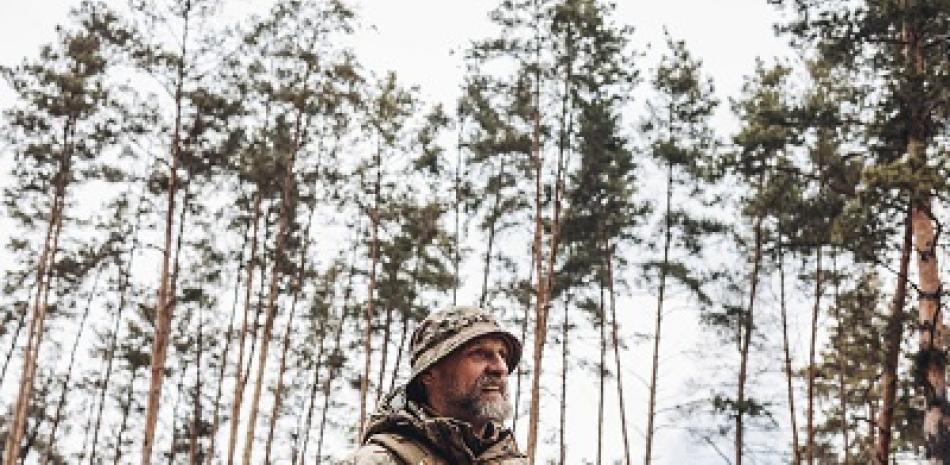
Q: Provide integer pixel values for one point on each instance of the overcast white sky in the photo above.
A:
(415, 38)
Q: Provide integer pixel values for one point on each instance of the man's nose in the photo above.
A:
(498, 364)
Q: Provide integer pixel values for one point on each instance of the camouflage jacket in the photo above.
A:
(404, 432)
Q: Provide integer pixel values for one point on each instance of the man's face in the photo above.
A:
(471, 384)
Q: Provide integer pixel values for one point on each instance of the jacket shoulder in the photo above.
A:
(370, 454)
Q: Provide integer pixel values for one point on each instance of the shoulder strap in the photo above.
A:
(407, 450)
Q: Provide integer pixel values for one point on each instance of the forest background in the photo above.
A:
(762, 208)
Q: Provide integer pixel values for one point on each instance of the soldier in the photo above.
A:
(451, 410)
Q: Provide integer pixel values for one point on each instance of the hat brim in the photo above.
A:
(445, 348)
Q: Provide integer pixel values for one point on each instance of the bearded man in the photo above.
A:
(452, 409)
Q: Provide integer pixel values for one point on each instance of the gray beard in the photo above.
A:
(477, 409)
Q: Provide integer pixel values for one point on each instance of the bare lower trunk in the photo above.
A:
(279, 390)
(57, 416)
(226, 351)
(840, 361)
(602, 374)
(893, 337)
(283, 227)
(667, 239)
(931, 358)
(369, 314)
(193, 446)
(384, 353)
(240, 380)
(492, 228)
(745, 338)
(124, 279)
(123, 424)
(796, 453)
(565, 328)
(524, 334)
(164, 305)
(615, 341)
(813, 341)
(44, 276)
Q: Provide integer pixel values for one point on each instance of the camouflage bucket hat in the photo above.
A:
(446, 330)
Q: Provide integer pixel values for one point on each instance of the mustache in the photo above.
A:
(490, 381)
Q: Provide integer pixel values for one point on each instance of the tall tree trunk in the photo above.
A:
(492, 228)
(931, 358)
(601, 371)
(745, 334)
(124, 280)
(525, 322)
(546, 280)
(226, 351)
(842, 387)
(457, 252)
(413, 292)
(126, 411)
(384, 348)
(44, 276)
(615, 341)
(812, 369)
(667, 240)
(333, 368)
(893, 336)
(240, 382)
(69, 370)
(283, 226)
(565, 327)
(164, 306)
(540, 298)
(369, 314)
(193, 446)
(278, 392)
(796, 452)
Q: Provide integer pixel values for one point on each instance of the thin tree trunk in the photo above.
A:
(279, 390)
(524, 335)
(226, 351)
(546, 280)
(123, 425)
(745, 335)
(371, 293)
(124, 280)
(842, 388)
(492, 227)
(333, 370)
(283, 226)
(313, 387)
(812, 369)
(893, 336)
(193, 446)
(239, 365)
(384, 349)
(615, 341)
(405, 317)
(44, 276)
(565, 326)
(667, 240)
(601, 372)
(457, 255)
(69, 370)
(173, 443)
(796, 453)
(164, 306)
(541, 299)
